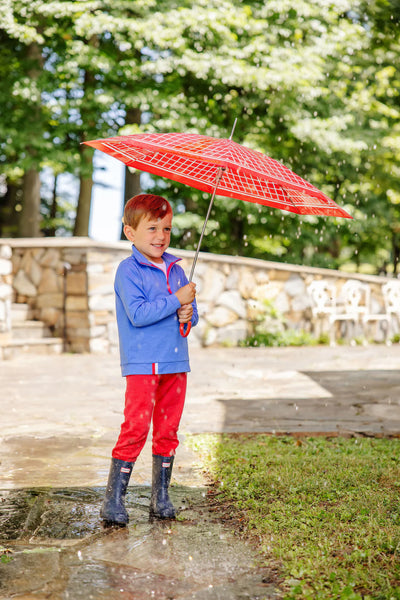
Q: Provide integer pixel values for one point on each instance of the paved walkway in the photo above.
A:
(59, 420)
(61, 414)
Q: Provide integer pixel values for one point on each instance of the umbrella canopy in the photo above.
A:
(220, 166)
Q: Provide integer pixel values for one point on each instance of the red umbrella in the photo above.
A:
(219, 166)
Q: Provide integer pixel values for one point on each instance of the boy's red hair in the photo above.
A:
(145, 205)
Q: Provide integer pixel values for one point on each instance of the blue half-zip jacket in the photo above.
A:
(148, 324)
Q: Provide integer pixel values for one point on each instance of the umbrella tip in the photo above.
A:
(233, 128)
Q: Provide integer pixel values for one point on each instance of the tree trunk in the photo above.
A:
(131, 188)
(132, 184)
(82, 219)
(132, 180)
(395, 253)
(51, 230)
(54, 207)
(85, 193)
(30, 218)
(9, 215)
(238, 233)
(83, 211)
(334, 247)
(29, 224)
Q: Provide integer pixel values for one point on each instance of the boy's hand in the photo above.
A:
(185, 313)
(186, 294)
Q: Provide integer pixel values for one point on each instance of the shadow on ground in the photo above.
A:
(353, 402)
(54, 546)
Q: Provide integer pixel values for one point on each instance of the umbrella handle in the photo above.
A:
(182, 328)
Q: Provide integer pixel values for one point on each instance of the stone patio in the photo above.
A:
(60, 418)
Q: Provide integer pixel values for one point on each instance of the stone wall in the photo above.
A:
(68, 284)
(6, 291)
(237, 294)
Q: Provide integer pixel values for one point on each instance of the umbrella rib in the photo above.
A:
(217, 180)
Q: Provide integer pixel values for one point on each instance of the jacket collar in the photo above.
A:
(170, 259)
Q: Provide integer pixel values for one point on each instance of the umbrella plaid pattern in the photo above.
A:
(221, 166)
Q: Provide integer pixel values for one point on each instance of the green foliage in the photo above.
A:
(314, 85)
(302, 100)
(288, 337)
(325, 511)
(271, 329)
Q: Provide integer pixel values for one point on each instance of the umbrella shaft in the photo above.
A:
(219, 175)
(217, 180)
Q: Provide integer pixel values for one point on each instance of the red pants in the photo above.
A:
(160, 397)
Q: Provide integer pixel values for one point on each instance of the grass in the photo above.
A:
(325, 511)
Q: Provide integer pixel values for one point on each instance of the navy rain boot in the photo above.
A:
(113, 508)
(160, 504)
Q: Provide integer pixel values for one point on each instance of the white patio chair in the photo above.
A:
(357, 307)
(370, 316)
(353, 306)
(323, 305)
(391, 298)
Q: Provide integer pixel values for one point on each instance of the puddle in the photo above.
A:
(54, 546)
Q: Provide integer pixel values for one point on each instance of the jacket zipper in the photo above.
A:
(166, 274)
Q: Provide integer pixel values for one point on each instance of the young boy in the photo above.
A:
(153, 297)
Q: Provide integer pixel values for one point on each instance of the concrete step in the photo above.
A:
(13, 347)
(29, 330)
(20, 312)
(27, 336)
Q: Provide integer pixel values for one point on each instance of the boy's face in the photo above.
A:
(151, 237)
